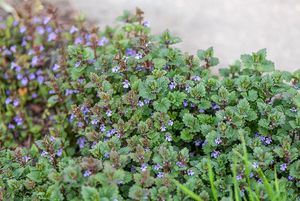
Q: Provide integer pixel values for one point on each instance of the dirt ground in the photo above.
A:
(232, 27)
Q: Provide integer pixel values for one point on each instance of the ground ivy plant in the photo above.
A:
(128, 116)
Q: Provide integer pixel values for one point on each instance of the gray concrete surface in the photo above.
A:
(232, 27)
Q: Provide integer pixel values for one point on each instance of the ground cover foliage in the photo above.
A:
(120, 114)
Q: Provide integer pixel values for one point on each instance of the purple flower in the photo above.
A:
(40, 30)
(283, 167)
(239, 177)
(168, 137)
(23, 29)
(16, 102)
(115, 69)
(55, 67)
(170, 123)
(190, 172)
(95, 121)
(13, 49)
(36, 20)
(20, 76)
(80, 124)
(215, 154)
(157, 166)
(15, 67)
(163, 128)
(70, 91)
(130, 52)
(77, 64)
(268, 140)
(180, 164)
(160, 175)
(144, 167)
(24, 81)
(138, 56)
(196, 78)
(215, 106)
(44, 153)
(31, 76)
(34, 95)
(87, 173)
(81, 142)
(34, 61)
(201, 110)
(140, 104)
(24, 42)
(52, 139)
(49, 29)
(91, 61)
(51, 92)
(73, 29)
(59, 152)
(8, 101)
(46, 20)
(106, 155)
(188, 88)
(290, 178)
(146, 24)
(255, 165)
(172, 85)
(218, 140)
(52, 36)
(102, 128)
(198, 143)
(103, 41)
(40, 79)
(146, 101)
(185, 103)
(108, 113)
(126, 84)
(26, 158)
(293, 109)
(11, 126)
(78, 40)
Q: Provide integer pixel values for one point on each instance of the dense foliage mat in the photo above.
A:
(120, 114)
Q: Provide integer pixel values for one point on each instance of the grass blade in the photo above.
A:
(187, 191)
(211, 180)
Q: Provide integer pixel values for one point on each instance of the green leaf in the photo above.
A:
(90, 194)
(186, 135)
(35, 175)
(159, 63)
(52, 100)
(162, 105)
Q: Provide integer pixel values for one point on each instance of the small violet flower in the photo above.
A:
(59, 152)
(140, 104)
(190, 172)
(73, 29)
(218, 140)
(81, 142)
(108, 113)
(172, 85)
(87, 173)
(163, 128)
(168, 137)
(126, 84)
(115, 69)
(157, 166)
(144, 167)
(55, 67)
(215, 154)
(283, 167)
